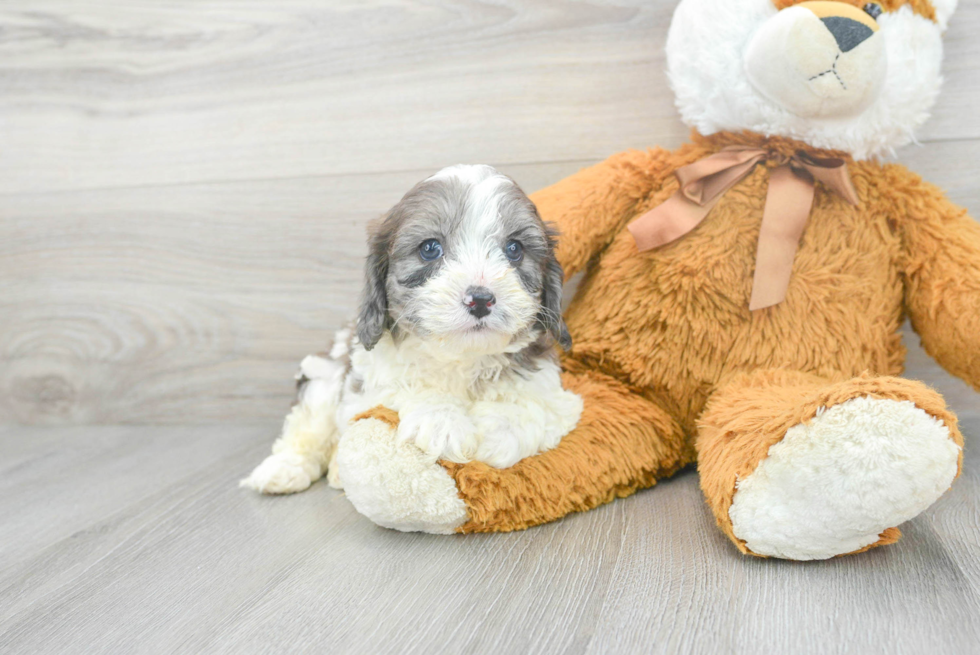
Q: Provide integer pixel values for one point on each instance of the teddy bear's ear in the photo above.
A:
(944, 11)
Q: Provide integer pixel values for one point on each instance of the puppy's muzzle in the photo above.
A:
(478, 301)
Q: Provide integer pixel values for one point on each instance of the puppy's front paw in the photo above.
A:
(500, 441)
(283, 473)
(441, 432)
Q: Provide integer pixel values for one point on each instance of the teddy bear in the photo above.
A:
(741, 299)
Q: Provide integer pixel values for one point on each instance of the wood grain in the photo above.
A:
(182, 304)
(184, 189)
(183, 194)
(175, 305)
(194, 303)
(173, 557)
(155, 92)
(163, 92)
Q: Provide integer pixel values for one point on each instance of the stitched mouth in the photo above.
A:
(831, 71)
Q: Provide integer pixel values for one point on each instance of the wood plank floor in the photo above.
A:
(183, 193)
(184, 186)
(137, 539)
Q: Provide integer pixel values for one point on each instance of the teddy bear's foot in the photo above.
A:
(837, 481)
(394, 483)
(833, 485)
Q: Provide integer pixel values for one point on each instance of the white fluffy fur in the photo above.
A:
(309, 436)
(794, 60)
(706, 58)
(453, 387)
(832, 485)
(944, 10)
(395, 484)
(461, 408)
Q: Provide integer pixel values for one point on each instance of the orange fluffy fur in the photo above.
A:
(675, 369)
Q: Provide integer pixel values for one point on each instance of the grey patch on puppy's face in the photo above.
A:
(473, 214)
(539, 271)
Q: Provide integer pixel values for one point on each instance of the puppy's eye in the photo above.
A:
(514, 251)
(430, 250)
(873, 9)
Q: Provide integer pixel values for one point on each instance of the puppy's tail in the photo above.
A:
(321, 377)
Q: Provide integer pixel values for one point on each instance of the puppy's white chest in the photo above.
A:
(462, 410)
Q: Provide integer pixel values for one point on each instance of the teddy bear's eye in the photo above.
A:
(873, 9)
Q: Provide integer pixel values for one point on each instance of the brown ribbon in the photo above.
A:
(788, 203)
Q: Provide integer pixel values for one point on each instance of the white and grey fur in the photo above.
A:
(467, 384)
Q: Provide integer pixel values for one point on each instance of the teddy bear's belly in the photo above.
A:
(675, 321)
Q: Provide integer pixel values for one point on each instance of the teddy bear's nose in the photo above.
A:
(848, 33)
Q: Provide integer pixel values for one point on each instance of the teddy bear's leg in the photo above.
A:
(800, 467)
(622, 443)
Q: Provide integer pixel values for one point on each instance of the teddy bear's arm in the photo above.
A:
(590, 207)
(941, 245)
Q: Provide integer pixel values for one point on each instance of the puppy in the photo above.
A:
(457, 330)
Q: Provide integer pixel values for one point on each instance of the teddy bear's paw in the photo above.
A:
(394, 483)
(283, 473)
(835, 483)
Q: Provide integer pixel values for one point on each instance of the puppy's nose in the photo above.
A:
(479, 300)
(848, 33)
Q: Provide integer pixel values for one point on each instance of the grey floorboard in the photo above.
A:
(179, 559)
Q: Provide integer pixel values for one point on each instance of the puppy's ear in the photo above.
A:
(373, 318)
(554, 277)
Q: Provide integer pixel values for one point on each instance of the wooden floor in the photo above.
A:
(183, 193)
(136, 539)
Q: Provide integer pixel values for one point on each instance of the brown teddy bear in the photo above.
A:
(742, 298)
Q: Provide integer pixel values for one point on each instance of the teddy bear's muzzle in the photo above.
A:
(818, 59)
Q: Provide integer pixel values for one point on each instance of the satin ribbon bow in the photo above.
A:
(788, 202)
